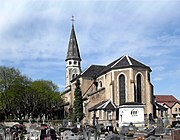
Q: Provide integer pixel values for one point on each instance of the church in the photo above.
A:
(106, 88)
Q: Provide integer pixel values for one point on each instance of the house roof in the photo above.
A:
(160, 107)
(170, 104)
(165, 98)
(104, 105)
(122, 62)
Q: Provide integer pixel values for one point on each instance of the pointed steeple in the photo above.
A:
(73, 50)
(73, 58)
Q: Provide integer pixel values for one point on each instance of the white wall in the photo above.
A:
(129, 113)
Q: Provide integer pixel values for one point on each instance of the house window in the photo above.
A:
(104, 115)
(179, 109)
(176, 109)
(100, 114)
(109, 115)
(122, 94)
(137, 96)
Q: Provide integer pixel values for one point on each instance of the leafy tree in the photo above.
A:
(78, 103)
(20, 97)
(46, 98)
(11, 84)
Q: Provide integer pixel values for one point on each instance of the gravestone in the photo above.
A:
(166, 121)
(115, 137)
(124, 130)
(151, 120)
(159, 131)
(160, 126)
(68, 135)
(2, 134)
(175, 134)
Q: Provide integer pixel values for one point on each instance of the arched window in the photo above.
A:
(138, 89)
(122, 92)
(74, 75)
(100, 84)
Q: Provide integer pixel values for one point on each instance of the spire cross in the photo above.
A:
(72, 20)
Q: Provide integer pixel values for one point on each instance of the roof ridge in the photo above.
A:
(118, 61)
(138, 61)
(129, 61)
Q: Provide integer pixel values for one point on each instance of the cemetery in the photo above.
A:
(150, 129)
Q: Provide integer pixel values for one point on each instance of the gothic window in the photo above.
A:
(122, 92)
(100, 84)
(74, 73)
(75, 62)
(117, 114)
(70, 62)
(138, 89)
(148, 76)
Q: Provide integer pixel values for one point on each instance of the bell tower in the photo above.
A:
(73, 58)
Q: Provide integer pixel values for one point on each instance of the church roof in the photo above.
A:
(93, 71)
(73, 50)
(104, 105)
(123, 62)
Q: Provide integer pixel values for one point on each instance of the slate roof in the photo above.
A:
(122, 62)
(73, 50)
(104, 105)
(92, 71)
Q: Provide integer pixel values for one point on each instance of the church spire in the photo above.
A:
(73, 50)
(73, 58)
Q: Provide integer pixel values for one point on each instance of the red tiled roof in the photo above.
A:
(169, 104)
(165, 98)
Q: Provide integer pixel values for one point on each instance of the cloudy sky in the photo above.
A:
(34, 35)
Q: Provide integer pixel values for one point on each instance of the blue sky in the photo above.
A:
(34, 35)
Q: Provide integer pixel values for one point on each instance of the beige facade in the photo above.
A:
(174, 110)
(108, 88)
(171, 104)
